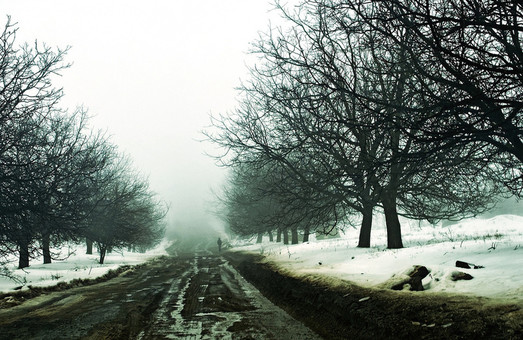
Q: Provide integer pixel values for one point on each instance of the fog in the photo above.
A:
(150, 73)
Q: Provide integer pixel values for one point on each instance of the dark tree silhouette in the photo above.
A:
(468, 59)
(334, 94)
(27, 100)
(55, 172)
(126, 212)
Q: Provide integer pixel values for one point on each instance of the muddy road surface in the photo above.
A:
(190, 296)
(202, 296)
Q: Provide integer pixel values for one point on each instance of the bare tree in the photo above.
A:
(56, 176)
(263, 196)
(468, 59)
(335, 94)
(126, 212)
(27, 99)
(73, 157)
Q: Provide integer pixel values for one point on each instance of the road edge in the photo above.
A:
(337, 309)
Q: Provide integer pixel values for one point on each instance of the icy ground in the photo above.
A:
(76, 264)
(495, 243)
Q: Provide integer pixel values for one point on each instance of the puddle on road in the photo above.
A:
(188, 328)
(218, 303)
(221, 323)
(169, 322)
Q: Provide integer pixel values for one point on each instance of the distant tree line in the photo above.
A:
(61, 182)
(414, 107)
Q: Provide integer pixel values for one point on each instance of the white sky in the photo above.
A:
(151, 72)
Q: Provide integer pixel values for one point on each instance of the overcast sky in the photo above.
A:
(151, 72)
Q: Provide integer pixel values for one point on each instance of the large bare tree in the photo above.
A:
(468, 60)
(334, 92)
(27, 100)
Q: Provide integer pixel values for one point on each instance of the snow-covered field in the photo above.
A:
(495, 243)
(77, 265)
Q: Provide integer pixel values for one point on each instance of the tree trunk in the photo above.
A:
(23, 260)
(285, 236)
(391, 218)
(306, 233)
(103, 250)
(294, 232)
(278, 235)
(260, 238)
(46, 245)
(271, 238)
(366, 225)
(89, 244)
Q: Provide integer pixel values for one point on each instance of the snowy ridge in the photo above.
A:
(495, 243)
(76, 266)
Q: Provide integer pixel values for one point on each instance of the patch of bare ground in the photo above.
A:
(15, 298)
(337, 309)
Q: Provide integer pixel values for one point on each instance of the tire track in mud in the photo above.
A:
(189, 296)
(210, 300)
(114, 309)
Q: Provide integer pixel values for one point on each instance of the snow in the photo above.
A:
(76, 265)
(494, 243)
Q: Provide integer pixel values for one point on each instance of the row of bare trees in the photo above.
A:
(411, 106)
(59, 181)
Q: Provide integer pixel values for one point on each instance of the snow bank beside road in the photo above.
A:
(76, 266)
(495, 243)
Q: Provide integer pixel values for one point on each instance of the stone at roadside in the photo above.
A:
(456, 276)
(466, 265)
(414, 280)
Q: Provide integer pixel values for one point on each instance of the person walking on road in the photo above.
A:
(219, 244)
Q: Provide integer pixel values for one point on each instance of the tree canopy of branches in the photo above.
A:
(468, 59)
(126, 212)
(348, 100)
(266, 197)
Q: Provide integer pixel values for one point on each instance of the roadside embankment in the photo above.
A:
(338, 309)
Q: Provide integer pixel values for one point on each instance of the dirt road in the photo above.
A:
(191, 296)
(202, 296)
